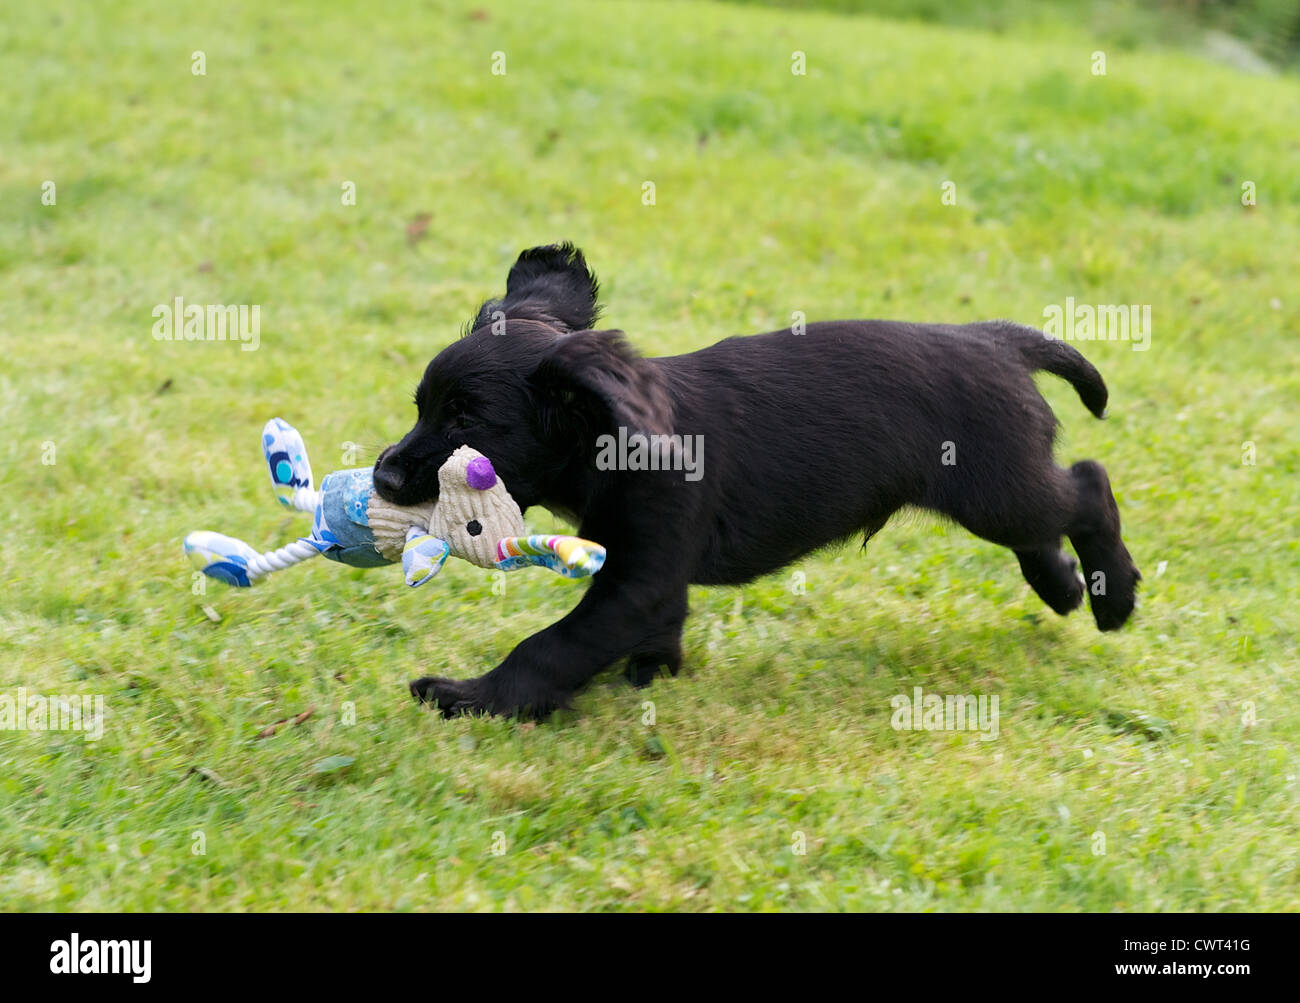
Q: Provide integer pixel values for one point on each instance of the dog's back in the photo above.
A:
(818, 436)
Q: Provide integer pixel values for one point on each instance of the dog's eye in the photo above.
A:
(458, 414)
(454, 415)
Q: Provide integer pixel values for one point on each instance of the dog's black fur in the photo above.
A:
(808, 439)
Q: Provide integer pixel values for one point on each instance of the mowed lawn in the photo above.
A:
(1153, 769)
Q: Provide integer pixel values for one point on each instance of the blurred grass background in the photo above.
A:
(775, 193)
(1267, 31)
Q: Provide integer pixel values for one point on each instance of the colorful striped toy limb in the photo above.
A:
(236, 563)
(569, 556)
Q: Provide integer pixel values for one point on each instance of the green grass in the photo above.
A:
(775, 193)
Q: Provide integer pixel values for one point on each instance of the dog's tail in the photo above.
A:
(1042, 351)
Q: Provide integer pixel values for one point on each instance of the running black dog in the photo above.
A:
(801, 439)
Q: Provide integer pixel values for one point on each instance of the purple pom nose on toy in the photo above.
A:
(479, 473)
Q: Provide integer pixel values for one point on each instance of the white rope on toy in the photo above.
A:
(278, 560)
(304, 499)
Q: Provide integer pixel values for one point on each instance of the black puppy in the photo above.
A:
(807, 438)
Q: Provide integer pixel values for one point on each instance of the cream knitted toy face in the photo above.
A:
(477, 521)
(473, 511)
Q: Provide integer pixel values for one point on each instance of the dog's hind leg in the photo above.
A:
(1108, 568)
(1028, 511)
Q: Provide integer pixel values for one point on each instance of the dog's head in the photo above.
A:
(530, 386)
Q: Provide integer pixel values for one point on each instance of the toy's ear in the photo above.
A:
(551, 284)
(597, 377)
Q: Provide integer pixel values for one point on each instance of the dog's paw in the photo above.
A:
(450, 696)
(642, 670)
(1113, 604)
(1054, 576)
(1070, 590)
(454, 697)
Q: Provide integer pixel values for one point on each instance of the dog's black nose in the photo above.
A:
(388, 479)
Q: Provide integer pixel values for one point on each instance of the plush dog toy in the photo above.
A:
(474, 519)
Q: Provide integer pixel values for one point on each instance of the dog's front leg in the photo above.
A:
(615, 618)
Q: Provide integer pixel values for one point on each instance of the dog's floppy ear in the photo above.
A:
(551, 284)
(598, 377)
